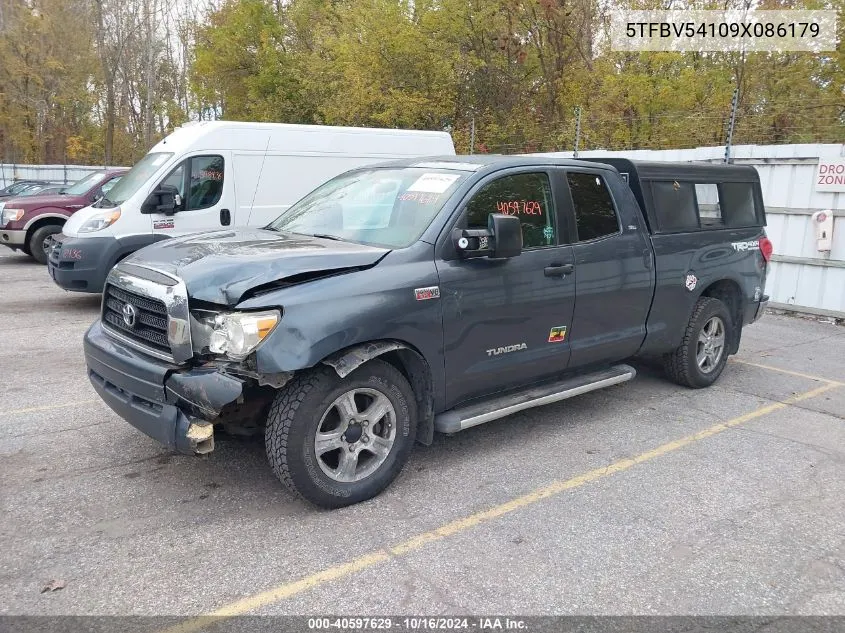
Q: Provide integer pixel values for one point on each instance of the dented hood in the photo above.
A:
(221, 266)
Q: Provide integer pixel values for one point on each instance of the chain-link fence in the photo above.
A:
(798, 121)
(58, 174)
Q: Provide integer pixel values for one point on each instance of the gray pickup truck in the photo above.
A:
(429, 295)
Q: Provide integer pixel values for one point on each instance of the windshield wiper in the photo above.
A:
(326, 236)
(102, 202)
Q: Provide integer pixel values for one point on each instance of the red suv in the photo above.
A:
(28, 224)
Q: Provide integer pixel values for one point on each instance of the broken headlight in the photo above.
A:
(232, 334)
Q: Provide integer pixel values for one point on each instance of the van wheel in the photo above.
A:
(37, 242)
(337, 441)
(700, 358)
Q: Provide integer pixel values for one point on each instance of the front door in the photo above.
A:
(506, 322)
(206, 196)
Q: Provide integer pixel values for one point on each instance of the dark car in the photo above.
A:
(40, 189)
(20, 186)
(416, 296)
(28, 222)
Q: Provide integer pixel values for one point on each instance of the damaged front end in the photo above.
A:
(176, 405)
(169, 374)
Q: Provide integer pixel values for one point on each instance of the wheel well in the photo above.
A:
(728, 292)
(42, 222)
(409, 362)
(416, 370)
(123, 256)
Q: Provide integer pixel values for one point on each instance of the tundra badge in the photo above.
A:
(506, 350)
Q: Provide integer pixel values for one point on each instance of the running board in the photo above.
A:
(464, 417)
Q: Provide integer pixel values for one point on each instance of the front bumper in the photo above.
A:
(81, 264)
(12, 238)
(172, 404)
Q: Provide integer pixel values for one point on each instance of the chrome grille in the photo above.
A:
(149, 325)
(161, 326)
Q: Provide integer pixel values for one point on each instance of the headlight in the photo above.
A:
(100, 221)
(233, 334)
(12, 215)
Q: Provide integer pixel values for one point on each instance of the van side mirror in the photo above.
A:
(165, 199)
(501, 239)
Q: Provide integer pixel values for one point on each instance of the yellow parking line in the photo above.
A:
(789, 372)
(286, 590)
(48, 407)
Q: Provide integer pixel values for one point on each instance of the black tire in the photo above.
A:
(36, 241)
(682, 365)
(306, 404)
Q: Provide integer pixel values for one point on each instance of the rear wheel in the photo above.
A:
(700, 358)
(337, 441)
(39, 241)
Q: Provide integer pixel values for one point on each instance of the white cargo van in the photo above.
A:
(215, 174)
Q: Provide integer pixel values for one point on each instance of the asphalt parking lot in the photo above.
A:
(646, 498)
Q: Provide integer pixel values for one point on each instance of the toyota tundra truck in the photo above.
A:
(429, 295)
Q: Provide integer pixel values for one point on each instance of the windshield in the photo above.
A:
(134, 179)
(84, 185)
(380, 207)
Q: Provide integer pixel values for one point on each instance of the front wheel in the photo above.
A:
(700, 358)
(337, 441)
(39, 242)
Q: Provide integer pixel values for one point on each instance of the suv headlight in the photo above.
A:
(100, 221)
(232, 334)
(11, 215)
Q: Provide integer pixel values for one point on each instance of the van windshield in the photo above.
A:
(134, 179)
(379, 207)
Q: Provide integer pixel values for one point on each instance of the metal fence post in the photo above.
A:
(577, 130)
(728, 158)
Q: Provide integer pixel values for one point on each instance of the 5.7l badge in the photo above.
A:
(429, 292)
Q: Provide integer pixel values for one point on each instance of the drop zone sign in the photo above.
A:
(830, 176)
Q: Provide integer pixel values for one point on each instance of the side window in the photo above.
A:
(528, 196)
(674, 204)
(206, 182)
(738, 203)
(595, 214)
(204, 185)
(709, 209)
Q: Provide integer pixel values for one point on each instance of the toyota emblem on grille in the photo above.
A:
(129, 314)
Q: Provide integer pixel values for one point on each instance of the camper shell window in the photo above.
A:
(693, 196)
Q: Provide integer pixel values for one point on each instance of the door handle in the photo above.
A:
(647, 258)
(225, 217)
(558, 270)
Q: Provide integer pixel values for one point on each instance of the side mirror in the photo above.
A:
(165, 199)
(500, 240)
(507, 235)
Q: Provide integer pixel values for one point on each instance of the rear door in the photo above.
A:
(506, 322)
(613, 267)
(206, 195)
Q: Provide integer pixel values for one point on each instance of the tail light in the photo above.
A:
(766, 248)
